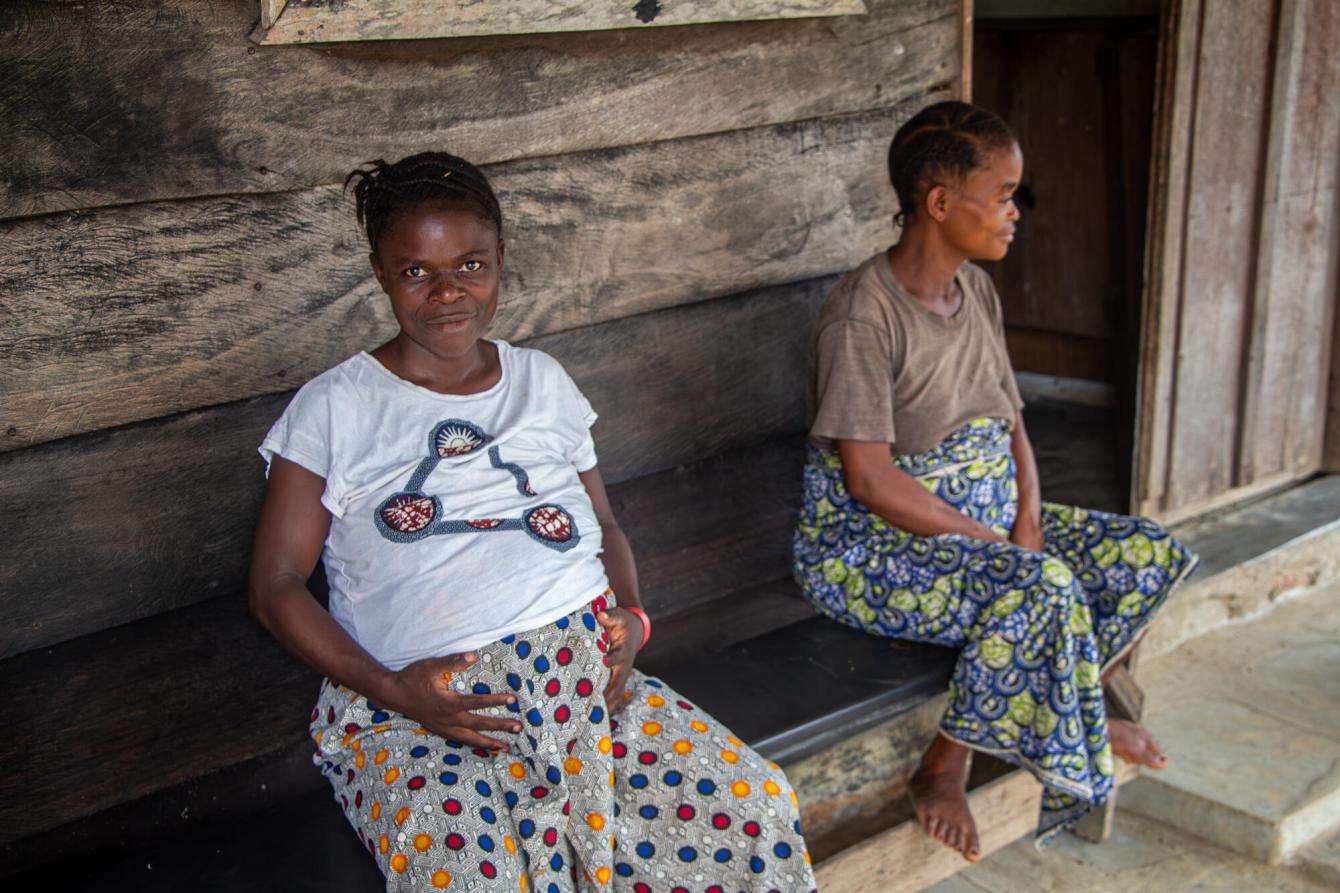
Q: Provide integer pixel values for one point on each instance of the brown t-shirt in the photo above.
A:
(885, 368)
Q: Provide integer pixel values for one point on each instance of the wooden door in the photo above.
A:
(1241, 261)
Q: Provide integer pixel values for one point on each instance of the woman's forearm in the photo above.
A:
(293, 616)
(899, 499)
(1026, 472)
(620, 569)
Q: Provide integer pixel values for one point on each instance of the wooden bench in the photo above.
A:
(207, 680)
(180, 738)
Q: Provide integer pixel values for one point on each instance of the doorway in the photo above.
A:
(1079, 91)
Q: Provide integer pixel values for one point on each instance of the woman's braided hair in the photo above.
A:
(382, 191)
(948, 139)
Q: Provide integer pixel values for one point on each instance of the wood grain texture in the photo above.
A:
(159, 515)
(185, 107)
(131, 313)
(270, 12)
(305, 21)
(904, 859)
(1062, 355)
(1331, 459)
(141, 707)
(1294, 296)
(1049, 85)
(1161, 306)
(1224, 192)
(134, 709)
(1236, 346)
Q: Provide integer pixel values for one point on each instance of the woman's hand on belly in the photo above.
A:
(625, 632)
(422, 691)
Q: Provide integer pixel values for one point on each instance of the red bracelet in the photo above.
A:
(646, 625)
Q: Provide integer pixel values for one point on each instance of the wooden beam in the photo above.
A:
(1098, 825)
(271, 10)
(185, 108)
(121, 713)
(407, 19)
(1179, 51)
(143, 519)
(132, 313)
(965, 75)
(1331, 457)
(1223, 196)
(1293, 294)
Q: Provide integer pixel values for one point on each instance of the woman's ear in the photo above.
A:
(377, 270)
(937, 203)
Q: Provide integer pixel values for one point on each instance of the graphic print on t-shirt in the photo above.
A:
(411, 515)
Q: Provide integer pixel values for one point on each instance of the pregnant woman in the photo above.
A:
(481, 723)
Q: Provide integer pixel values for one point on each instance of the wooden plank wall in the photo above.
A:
(176, 257)
(1243, 252)
(396, 20)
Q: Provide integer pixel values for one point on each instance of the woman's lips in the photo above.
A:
(451, 321)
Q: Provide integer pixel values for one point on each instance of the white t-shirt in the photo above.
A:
(457, 520)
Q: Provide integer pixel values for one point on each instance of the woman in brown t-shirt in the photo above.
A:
(950, 541)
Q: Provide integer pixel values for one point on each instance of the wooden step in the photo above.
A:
(904, 859)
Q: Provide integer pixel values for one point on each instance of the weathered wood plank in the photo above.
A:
(184, 107)
(145, 706)
(137, 708)
(1060, 272)
(1224, 191)
(305, 21)
(1295, 288)
(1331, 459)
(131, 313)
(966, 23)
(1170, 154)
(159, 515)
(270, 12)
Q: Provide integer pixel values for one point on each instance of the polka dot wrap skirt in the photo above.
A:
(660, 797)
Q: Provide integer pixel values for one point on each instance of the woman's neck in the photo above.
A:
(475, 370)
(925, 265)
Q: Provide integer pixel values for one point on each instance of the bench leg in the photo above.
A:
(1125, 700)
(1096, 827)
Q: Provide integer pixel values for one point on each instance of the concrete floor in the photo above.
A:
(1250, 715)
(1142, 855)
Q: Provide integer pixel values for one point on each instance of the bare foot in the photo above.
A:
(1134, 744)
(939, 791)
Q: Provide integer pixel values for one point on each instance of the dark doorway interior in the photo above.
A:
(1079, 92)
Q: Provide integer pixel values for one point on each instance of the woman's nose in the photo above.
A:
(446, 290)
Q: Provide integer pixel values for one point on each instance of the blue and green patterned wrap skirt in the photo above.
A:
(1035, 629)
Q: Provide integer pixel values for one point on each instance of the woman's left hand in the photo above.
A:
(625, 636)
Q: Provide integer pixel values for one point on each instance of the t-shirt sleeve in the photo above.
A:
(580, 446)
(854, 365)
(305, 435)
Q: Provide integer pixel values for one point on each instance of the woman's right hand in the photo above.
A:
(422, 691)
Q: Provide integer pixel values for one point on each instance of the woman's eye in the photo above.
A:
(472, 266)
